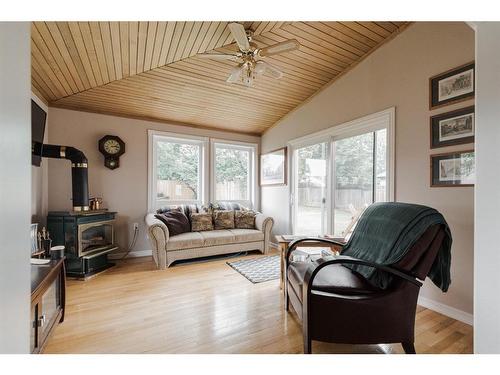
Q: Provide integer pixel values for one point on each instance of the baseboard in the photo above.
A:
(132, 254)
(446, 310)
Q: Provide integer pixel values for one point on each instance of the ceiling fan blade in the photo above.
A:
(240, 36)
(219, 56)
(288, 45)
(264, 67)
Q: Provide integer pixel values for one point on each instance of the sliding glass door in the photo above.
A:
(359, 176)
(335, 180)
(311, 189)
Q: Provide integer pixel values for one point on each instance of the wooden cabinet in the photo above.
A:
(48, 287)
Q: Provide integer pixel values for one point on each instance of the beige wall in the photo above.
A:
(124, 189)
(397, 75)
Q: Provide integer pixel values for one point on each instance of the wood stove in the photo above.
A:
(88, 237)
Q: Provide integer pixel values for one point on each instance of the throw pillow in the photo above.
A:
(244, 219)
(201, 222)
(175, 221)
(223, 219)
(168, 209)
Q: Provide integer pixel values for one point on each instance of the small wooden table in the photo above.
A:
(283, 246)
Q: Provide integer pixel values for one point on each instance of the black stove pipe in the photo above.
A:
(79, 172)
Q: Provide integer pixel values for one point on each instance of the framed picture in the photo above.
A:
(452, 86)
(453, 169)
(273, 166)
(452, 128)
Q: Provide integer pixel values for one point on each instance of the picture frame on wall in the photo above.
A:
(453, 128)
(453, 169)
(452, 86)
(273, 167)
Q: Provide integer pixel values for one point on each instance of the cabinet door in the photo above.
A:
(50, 306)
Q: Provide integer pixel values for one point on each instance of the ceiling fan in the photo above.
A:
(249, 57)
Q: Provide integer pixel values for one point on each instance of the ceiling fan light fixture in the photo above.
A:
(260, 67)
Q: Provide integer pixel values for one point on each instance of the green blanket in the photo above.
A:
(384, 234)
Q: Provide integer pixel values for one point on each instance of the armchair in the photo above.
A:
(338, 305)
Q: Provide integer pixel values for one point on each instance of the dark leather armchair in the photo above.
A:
(338, 305)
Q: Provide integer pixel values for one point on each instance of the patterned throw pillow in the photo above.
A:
(244, 219)
(201, 222)
(223, 219)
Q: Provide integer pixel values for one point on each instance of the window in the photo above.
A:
(336, 173)
(179, 166)
(176, 169)
(233, 177)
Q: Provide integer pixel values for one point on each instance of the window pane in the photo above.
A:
(232, 174)
(353, 178)
(178, 171)
(310, 213)
(381, 166)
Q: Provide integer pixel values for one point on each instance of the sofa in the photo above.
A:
(167, 249)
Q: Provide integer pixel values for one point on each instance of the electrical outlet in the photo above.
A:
(136, 226)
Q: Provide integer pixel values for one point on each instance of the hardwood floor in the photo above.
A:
(206, 307)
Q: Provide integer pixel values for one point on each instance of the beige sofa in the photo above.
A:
(167, 249)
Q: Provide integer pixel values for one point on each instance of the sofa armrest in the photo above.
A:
(265, 224)
(158, 237)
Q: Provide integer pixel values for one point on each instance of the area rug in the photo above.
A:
(258, 270)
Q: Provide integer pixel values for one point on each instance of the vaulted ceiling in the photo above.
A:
(150, 69)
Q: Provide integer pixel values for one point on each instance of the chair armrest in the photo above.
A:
(265, 224)
(320, 263)
(158, 236)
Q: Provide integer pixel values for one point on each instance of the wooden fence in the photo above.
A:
(311, 196)
(176, 190)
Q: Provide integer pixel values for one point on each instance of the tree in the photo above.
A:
(231, 165)
(353, 160)
(179, 162)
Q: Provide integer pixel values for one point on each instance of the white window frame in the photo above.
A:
(252, 185)
(380, 120)
(153, 137)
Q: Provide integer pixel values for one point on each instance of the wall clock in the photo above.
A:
(112, 147)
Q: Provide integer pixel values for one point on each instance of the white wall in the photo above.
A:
(397, 74)
(15, 206)
(487, 195)
(124, 189)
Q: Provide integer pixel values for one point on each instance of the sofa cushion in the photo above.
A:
(185, 241)
(223, 219)
(247, 235)
(175, 221)
(217, 237)
(201, 222)
(244, 219)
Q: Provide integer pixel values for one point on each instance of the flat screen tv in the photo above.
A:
(38, 119)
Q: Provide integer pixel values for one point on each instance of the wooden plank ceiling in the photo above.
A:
(150, 69)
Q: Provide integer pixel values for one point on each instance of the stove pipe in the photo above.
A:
(79, 172)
